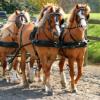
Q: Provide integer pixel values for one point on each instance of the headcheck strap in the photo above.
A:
(33, 33)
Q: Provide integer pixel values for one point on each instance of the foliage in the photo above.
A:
(32, 5)
(36, 5)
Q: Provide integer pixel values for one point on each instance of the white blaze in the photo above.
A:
(82, 19)
(57, 27)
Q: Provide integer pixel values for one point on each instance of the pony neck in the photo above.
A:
(77, 32)
(10, 30)
(72, 24)
(44, 33)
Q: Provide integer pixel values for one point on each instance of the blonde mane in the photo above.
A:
(26, 15)
(44, 13)
(43, 16)
(10, 21)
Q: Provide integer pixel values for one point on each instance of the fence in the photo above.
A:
(92, 21)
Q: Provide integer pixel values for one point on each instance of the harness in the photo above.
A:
(49, 43)
(60, 43)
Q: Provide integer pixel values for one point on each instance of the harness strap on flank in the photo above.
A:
(32, 37)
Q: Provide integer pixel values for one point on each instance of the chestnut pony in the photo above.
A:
(48, 29)
(77, 24)
(9, 33)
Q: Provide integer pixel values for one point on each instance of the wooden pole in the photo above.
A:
(86, 53)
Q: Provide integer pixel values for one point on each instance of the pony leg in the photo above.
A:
(4, 65)
(15, 78)
(62, 74)
(80, 68)
(39, 72)
(71, 67)
(31, 70)
(46, 82)
(22, 66)
(15, 63)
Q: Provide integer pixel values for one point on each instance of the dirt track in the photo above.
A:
(88, 88)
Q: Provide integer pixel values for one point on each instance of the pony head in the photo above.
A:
(80, 15)
(19, 18)
(51, 17)
(22, 18)
(14, 22)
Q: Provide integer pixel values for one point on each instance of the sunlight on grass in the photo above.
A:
(94, 30)
(95, 16)
(94, 46)
(94, 51)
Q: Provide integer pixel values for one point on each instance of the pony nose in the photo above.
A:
(83, 23)
(58, 30)
(56, 33)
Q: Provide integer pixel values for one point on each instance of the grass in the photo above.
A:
(95, 16)
(94, 52)
(94, 30)
(94, 46)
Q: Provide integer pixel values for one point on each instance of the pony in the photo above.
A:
(75, 32)
(48, 28)
(9, 33)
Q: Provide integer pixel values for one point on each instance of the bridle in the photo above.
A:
(19, 20)
(78, 18)
(50, 28)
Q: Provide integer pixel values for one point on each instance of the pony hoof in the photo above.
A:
(63, 85)
(49, 93)
(43, 90)
(30, 81)
(74, 91)
(25, 85)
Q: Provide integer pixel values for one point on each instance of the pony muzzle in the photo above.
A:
(83, 23)
(58, 30)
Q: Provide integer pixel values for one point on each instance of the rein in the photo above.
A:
(60, 43)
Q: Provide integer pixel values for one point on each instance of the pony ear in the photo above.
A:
(17, 12)
(26, 10)
(77, 6)
(43, 6)
(58, 10)
(85, 5)
(50, 9)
